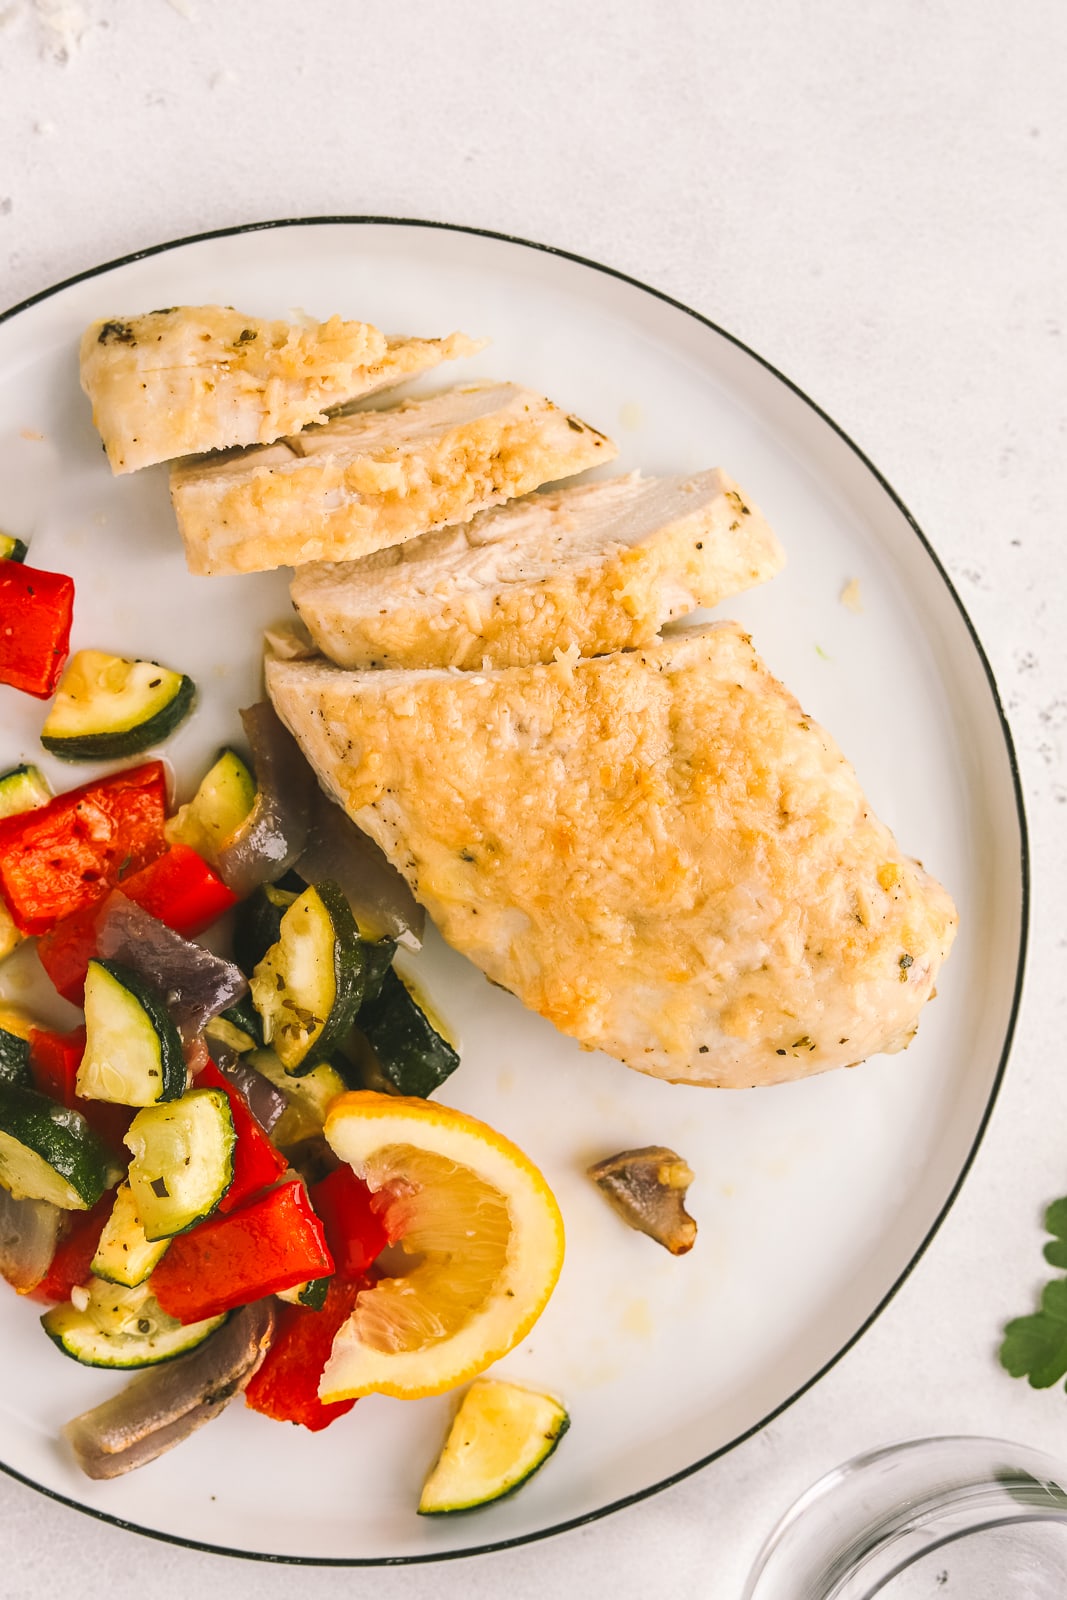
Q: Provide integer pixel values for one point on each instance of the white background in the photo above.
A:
(872, 197)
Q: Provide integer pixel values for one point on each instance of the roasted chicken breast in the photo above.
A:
(375, 478)
(656, 849)
(598, 566)
(196, 378)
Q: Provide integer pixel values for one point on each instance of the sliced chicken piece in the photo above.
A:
(655, 849)
(376, 478)
(598, 567)
(196, 378)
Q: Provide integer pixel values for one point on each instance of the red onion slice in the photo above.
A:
(265, 1102)
(381, 901)
(28, 1233)
(165, 1404)
(195, 984)
(274, 833)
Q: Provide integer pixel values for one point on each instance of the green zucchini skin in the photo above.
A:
(257, 920)
(346, 955)
(48, 1152)
(226, 795)
(23, 789)
(144, 1337)
(171, 1068)
(14, 1059)
(12, 549)
(115, 745)
(414, 1058)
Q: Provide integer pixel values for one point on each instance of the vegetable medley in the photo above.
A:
(162, 1165)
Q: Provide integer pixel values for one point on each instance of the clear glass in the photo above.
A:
(931, 1519)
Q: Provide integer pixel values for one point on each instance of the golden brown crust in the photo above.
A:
(197, 378)
(375, 478)
(656, 850)
(596, 568)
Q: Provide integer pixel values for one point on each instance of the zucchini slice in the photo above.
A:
(11, 549)
(48, 1152)
(225, 797)
(411, 1050)
(311, 1294)
(309, 985)
(309, 1097)
(23, 788)
(258, 920)
(109, 706)
(133, 1053)
(124, 1256)
(182, 1161)
(499, 1437)
(14, 1058)
(124, 1328)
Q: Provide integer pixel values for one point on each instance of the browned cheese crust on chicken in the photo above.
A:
(196, 378)
(656, 849)
(375, 478)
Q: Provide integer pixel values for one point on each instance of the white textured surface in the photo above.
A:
(872, 198)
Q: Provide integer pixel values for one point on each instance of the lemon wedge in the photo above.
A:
(501, 1434)
(478, 1247)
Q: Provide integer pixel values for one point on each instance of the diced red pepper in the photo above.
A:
(272, 1243)
(286, 1387)
(256, 1163)
(54, 1062)
(65, 855)
(72, 1261)
(355, 1232)
(182, 890)
(178, 888)
(36, 609)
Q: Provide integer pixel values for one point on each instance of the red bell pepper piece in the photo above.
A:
(74, 1253)
(178, 888)
(65, 855)
(182, 890)
(272, 1243)
(54, 1062)
(286, 1387)
(355, 1232)
(256, 1163)
(36, 609)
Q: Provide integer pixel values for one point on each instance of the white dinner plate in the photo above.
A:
(813, 1199)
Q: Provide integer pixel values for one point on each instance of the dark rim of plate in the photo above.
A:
(490, 1546)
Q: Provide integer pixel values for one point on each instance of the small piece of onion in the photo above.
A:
(274, 833)
(195, 984)
(265, 1102)
(28, 1233)
(381, 900)
(165, 1404)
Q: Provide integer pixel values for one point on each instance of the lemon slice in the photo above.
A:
(500, 1436)
(480, 1246)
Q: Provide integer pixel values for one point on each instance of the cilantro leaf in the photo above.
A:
(1035, 1347)
(1056, 1223)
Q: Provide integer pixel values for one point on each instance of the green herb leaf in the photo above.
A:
(1035, 1347)
(1056, 1223)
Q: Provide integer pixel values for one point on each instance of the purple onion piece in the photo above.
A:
(274, 833)
(165, 1404)
(28, 1233)
(381, 900)
(265, 1102)
(195, 984)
